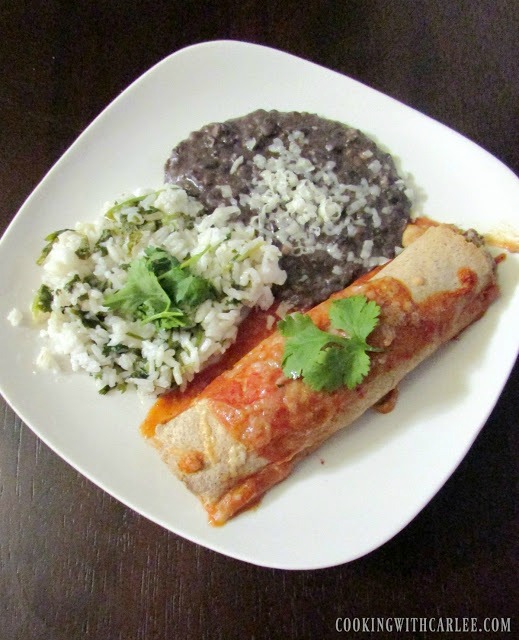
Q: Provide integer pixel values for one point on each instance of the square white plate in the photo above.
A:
(368, 482)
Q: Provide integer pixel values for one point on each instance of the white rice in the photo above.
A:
(15, 317)
(83, 334)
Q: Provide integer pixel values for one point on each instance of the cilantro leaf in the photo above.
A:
(184, 287)
(356, 316)
(171, 279)
(193, 290)
(160, 290)
(356, 364)
(326, 361)
(160, 261)
(304, 344)
(141, 287)
(176, 280)
(326, 374)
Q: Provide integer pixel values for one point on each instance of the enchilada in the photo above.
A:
(247, 429)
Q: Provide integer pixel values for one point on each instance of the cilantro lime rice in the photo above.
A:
(151, 291)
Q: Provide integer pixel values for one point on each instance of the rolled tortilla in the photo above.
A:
(249, 427)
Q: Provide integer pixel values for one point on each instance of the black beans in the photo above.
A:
(380, 208)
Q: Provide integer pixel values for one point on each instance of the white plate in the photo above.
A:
(366, 483)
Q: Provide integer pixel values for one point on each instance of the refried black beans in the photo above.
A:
(324, 192)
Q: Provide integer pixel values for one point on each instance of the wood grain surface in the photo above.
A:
(74, 562)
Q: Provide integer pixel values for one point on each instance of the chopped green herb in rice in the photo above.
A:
(150, 292)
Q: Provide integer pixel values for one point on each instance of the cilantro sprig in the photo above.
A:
(160, 290)
(326, 361)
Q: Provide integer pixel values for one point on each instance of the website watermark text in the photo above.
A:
(419, 624)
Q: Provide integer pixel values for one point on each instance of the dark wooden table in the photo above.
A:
(74, 562)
